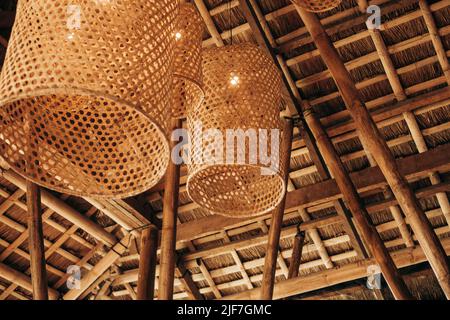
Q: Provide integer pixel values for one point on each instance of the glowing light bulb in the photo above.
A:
(70, 36)
(234, 80)
(178, 36)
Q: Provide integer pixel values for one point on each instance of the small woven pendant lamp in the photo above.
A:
(317, 5)
(188, 80)
(85, 94)
(242, 91)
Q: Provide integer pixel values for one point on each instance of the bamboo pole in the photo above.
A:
(270, 262)
(64, 210)
(14, 276)
(360, 214)
(169, 227)
(378, 148)
(394, 80)
(100, 268)
(36, 242)
(147, 264)
(435, 38)
(296, 257)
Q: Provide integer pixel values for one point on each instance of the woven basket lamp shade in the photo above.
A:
(242, 91)
(188, 80)
(85, 94)
(317, 5)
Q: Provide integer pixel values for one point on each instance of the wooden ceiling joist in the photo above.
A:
(367, 179)
(64, 210)
(380, 151)
(360, 214)
(287, 288)
(104, 264)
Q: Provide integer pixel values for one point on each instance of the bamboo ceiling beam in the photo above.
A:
(435, 38)
(367, 179)
(410, 119)
(379, 149)
(64, 210)
(290, 231)
(287, 288)
(277, 219)
(261, 31)
(209, 22)
(394, 81)
(345, 129)
(82, 262)
(48, 252)
(131, 276)
(315, 237)
(360, 214)
(107, 261)
(22, 280)
(46, 217)
(370, 58)
(15, 294)
(238, 262)
(169, 225)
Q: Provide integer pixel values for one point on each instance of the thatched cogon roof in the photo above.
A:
(225, 257)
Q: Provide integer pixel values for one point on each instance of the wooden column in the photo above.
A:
(36, 243)
(270, 262)
(296, 257)
(169, 227)
(147, 264)
(378, 148)
(360, 214)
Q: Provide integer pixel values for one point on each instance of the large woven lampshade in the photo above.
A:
(85, 94)
(317, 5)
(242, 91)
(188, 80)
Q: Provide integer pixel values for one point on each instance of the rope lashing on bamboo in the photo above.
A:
(85, 95)
(317, 5)
(242, 92)
(188, 79)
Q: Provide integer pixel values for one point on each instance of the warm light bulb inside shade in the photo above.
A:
(178, 36)
(234, 80)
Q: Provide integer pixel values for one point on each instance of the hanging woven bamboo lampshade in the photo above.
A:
(188, 81)
(317, 5)
(242, 91)
(85, 94)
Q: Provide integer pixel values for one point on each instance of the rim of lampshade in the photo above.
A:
(226, 213)
(307, 8)
(74, 91)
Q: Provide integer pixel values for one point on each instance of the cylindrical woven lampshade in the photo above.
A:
(188, 80)
(317, 5)
(85, 94)
(242, 91)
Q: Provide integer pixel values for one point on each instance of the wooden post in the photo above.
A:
(360, 214)
(377, 146)
(296, 257)
(270, 262)
(36, 243)
(147, 264)
(169, 227)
